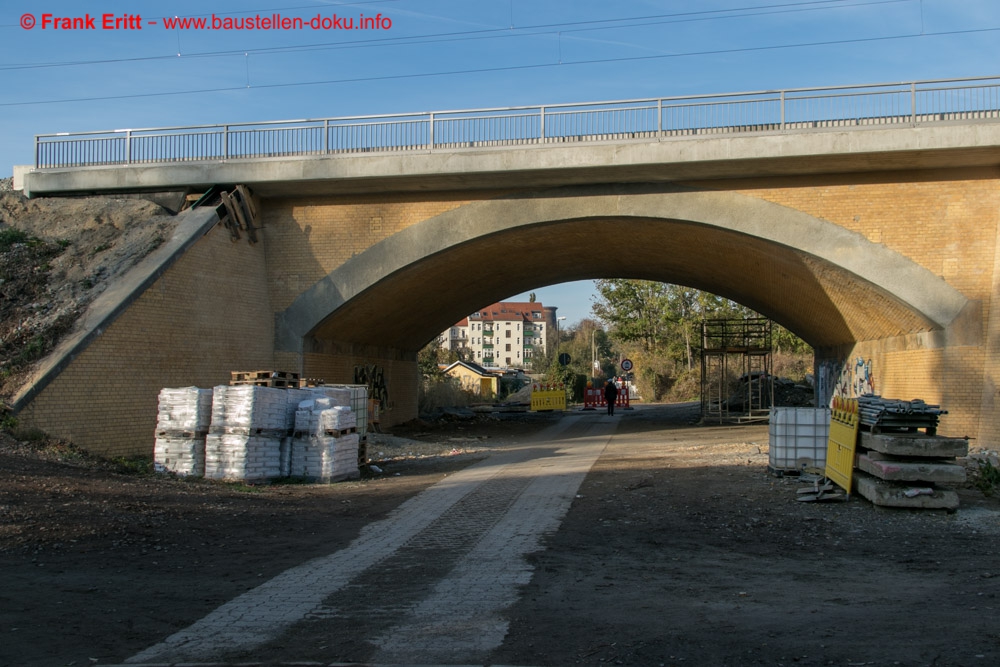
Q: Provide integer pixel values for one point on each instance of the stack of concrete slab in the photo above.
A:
(244, 439)
(911, 470)
(182, 422)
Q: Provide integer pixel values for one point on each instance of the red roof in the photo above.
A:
(508, 311)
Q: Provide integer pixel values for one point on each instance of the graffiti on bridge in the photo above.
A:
(373, 377)
(846, 379)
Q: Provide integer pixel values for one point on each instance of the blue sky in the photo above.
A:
(456, 54)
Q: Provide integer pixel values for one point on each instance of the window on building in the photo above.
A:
(508, 347)
(508, 333)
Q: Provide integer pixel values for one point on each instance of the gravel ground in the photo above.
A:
(680, 548)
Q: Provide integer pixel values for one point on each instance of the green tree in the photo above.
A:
(659, 327)
(580, 342)
(634, 309)
(784, 340)
(662, 318)
(432, 356)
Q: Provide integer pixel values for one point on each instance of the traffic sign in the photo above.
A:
(564, 359)
(626, 365)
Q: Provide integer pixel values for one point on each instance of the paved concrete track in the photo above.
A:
(427, 585)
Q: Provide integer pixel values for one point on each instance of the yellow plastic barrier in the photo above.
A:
(548, 397)
(842, 442)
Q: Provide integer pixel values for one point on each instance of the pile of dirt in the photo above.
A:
(787, 393)
(56, 256)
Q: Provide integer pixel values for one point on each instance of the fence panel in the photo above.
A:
(771, 111)
(353, 136)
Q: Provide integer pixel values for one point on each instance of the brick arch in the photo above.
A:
(828, 284)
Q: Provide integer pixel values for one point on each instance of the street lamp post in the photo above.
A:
(594, 366)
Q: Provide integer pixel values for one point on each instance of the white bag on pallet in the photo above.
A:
(293, 397)
(338, 418)
(316, 454)
(182, 419)
(353, 395)
(249, 407)
(233, 456)
(184, 456)
(325, 459)
(184, 409)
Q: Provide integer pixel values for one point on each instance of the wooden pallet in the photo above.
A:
(263, 375)
(181, 433)
(268, 382)
(330, 432)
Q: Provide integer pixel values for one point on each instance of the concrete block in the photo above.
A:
(19, 171)
(895, 494)
(909, 470)
(914, 444)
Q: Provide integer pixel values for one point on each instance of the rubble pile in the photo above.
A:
(787, 393)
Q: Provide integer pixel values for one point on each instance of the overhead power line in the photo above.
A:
(510, 68)
(487, 33)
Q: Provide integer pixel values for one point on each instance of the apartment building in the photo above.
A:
(508, 334)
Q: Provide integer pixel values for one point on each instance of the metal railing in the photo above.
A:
(793, 110)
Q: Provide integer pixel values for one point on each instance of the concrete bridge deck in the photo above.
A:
(811, 130)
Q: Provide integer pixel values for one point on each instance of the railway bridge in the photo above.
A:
(864, 219)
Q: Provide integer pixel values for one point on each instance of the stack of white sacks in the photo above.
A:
(244, 439)
(325, 444)
(295, 396)
(182, 420)
(259, 433)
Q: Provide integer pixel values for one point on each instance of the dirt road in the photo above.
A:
(678, 548)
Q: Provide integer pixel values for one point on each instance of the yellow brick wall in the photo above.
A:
(402, 379)
(946, 221)
(309, 238)
(206, 316)
(989, 432)
(936, 376)
(213, 311)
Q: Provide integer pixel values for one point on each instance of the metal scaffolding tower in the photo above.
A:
(736, 380)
